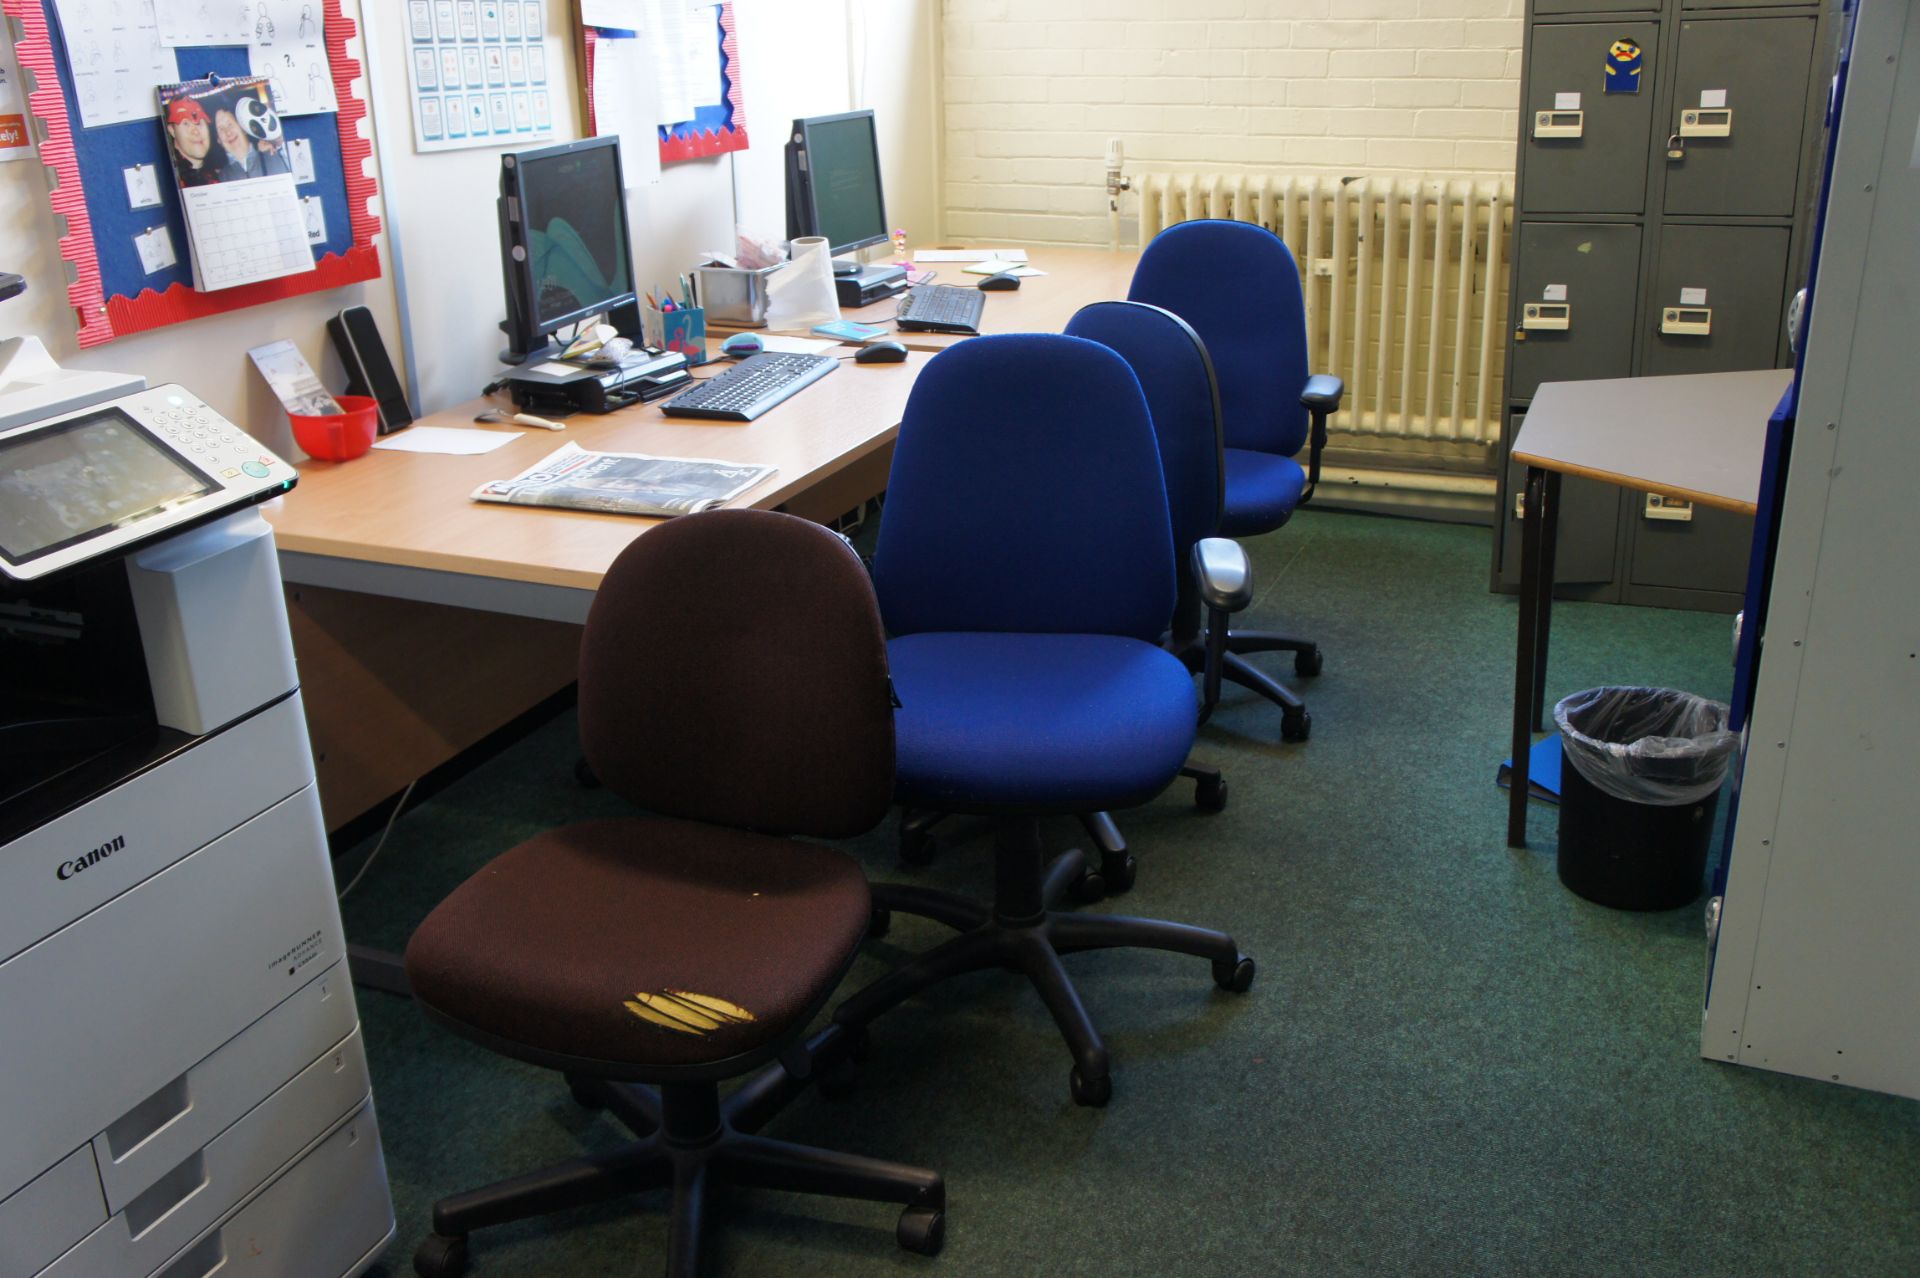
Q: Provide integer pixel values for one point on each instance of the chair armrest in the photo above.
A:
(1323, 393)
(1225, 574)
(1321, 397)
(1225, 578)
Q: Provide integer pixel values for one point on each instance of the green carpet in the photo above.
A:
(1448, 1065)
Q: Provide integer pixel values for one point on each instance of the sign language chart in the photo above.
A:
(478, 73)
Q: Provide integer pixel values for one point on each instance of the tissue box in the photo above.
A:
(730, 296)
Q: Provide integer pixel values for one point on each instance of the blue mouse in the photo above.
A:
(741, 345)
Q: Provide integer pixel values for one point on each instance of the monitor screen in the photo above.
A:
(843, 170)
(574, 215)
(63, 484)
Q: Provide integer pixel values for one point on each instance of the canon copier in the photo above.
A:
(182, 1085)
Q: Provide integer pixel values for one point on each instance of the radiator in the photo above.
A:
(1405, 283)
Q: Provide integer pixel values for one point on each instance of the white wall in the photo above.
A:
(208, 356)
(439, 207)
(1033, 92)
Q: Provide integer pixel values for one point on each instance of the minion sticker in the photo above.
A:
(1623, 66)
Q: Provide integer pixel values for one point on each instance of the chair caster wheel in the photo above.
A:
(1090, 887)
(1234, 975)
(879, 923)
(586, 1092)
(921, 1230)
(1119, 871)
(441, 1256)
(584, 776)
(1210, 794)
(1093, 1093)
(1307, 662)
(1295, 727)
(916, 846)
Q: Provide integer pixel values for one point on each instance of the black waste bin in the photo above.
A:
(1640, 778)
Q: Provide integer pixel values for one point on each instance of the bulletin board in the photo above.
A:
(713, 130)
(112, 294)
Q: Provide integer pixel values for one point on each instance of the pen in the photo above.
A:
(524, 419)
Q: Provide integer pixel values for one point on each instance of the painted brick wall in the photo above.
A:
(1033, 91)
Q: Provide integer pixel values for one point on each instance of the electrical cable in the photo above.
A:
(367, 864)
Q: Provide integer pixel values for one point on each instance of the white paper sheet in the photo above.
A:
(143, 186)
(316, 215)
(624, 15)
(624, 106)
(665, 29)
(300, 156)
(703, 55)
(779, 345)
(117, 58)
(240, 232)
(454, 440)
(191, 22)
(969, 255)
(155, 247)
(289, 43)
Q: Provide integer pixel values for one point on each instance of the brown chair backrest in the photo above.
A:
(734, 671)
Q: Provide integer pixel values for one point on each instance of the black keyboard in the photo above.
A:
(941, 308)
(750, 387)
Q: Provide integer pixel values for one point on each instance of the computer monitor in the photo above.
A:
(564, 250)
(833, 181)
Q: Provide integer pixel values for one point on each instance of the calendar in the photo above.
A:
(477, 71)
(245, 221)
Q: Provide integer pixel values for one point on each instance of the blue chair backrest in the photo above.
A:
(1183, 398)
(1026, 496)
(1239, 287)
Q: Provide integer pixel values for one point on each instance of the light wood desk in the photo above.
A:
(1699, 438)
(424, 620)
(1042, 303)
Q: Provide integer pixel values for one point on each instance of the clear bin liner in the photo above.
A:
(1647, 745)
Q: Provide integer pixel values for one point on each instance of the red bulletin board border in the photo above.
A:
(692, 139)
(101, 318)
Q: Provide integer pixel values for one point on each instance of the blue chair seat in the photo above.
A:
(1036, 722)
(1262, 490)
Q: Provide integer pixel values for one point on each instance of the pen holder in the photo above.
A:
(684, 330)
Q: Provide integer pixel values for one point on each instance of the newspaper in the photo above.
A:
(625, 483)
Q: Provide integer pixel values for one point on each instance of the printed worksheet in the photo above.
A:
(114, 49)
(624, 106)
(289, 44)
(15, 141)
(477, 73)
(185, 23)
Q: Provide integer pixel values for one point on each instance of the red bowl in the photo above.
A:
(341, 436)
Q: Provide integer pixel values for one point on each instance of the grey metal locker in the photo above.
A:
(1718, 293)
(1705, 552)
(1589, 158)
(1581, 277)
(1740, 91)
(1589, 523)
(1596, 6)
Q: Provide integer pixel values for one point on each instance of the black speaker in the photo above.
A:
(369, 371)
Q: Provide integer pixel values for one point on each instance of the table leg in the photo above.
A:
(1530, 652)
(1549, 543)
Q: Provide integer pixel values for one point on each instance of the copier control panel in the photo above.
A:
(113, 476)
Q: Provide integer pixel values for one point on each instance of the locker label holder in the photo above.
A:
(1698, 122)
(1687, 321)
(1671, 508)
(1558, 124)
(1552, 316)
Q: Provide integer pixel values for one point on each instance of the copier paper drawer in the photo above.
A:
(208, 1184)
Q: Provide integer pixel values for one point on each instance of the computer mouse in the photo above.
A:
(741, 345)
(881, 353)
(1004, 280)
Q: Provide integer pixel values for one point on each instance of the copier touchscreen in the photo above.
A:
(87, 475)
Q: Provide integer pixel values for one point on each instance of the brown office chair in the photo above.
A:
(733, 682)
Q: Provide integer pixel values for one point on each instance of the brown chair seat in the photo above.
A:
(646, 946)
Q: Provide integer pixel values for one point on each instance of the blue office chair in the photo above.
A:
(1025, 573)
(1239, 287)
